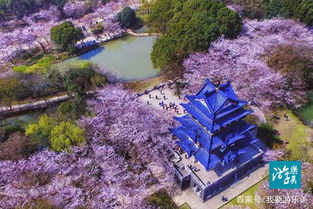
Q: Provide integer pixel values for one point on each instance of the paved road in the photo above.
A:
(216, 202)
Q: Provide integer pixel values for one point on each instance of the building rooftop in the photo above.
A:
(213, 131)
(191, 165)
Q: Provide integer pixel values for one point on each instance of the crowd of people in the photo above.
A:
(164, 97)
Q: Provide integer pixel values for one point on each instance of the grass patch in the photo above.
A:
(305, 113)
(296, 133)
(251, 192)
(184, 206)
(41, 66)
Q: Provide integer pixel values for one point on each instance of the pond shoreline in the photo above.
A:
(128, 57)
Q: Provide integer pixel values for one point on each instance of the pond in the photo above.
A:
(306, 112)
(129, 56)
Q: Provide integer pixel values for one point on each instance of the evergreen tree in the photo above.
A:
(66, 35)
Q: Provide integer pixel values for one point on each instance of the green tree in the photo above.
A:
(12, 89)
(98, 28)
(78, 78)
(296, 9)
(98, 81)
(161, 13)
(305, 12)
(127, 17)
(189, 26)
(66, 35)
(65, 135)
(272, 8)
(40, 132)
(73, 109)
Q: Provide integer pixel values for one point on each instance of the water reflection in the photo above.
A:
(92, 53)
(129, 56)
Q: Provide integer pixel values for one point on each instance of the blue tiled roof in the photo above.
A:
(213, 130)
(207, 160)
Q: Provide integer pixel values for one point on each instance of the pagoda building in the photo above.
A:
(214, 135)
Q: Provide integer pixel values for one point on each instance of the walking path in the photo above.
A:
(230, 193)
(164, 98)
(36, 104)
(33, 105)
(131, 32)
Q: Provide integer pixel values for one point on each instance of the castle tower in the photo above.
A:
(214, 134)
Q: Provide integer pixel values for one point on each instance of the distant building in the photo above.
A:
(215, 146)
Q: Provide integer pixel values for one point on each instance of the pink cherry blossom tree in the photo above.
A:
(298, 198)
(242, 61)
(127, 141)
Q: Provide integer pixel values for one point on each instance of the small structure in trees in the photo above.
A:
(216, 147)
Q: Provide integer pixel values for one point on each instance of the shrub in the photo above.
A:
(40, 132)
(127, 17)
(97, 29)
(55, 78)
(16, 147)
(12, 89)
(73, 109)
(60, 136)
(65, 135)
(78, 77)
(294, 61)
(81, 77)
(98, 81)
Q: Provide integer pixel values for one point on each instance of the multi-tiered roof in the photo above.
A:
(213, 130)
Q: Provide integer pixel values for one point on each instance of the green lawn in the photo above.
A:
(306, 112)
(297, 134)
(251, 192)
(185, 206)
